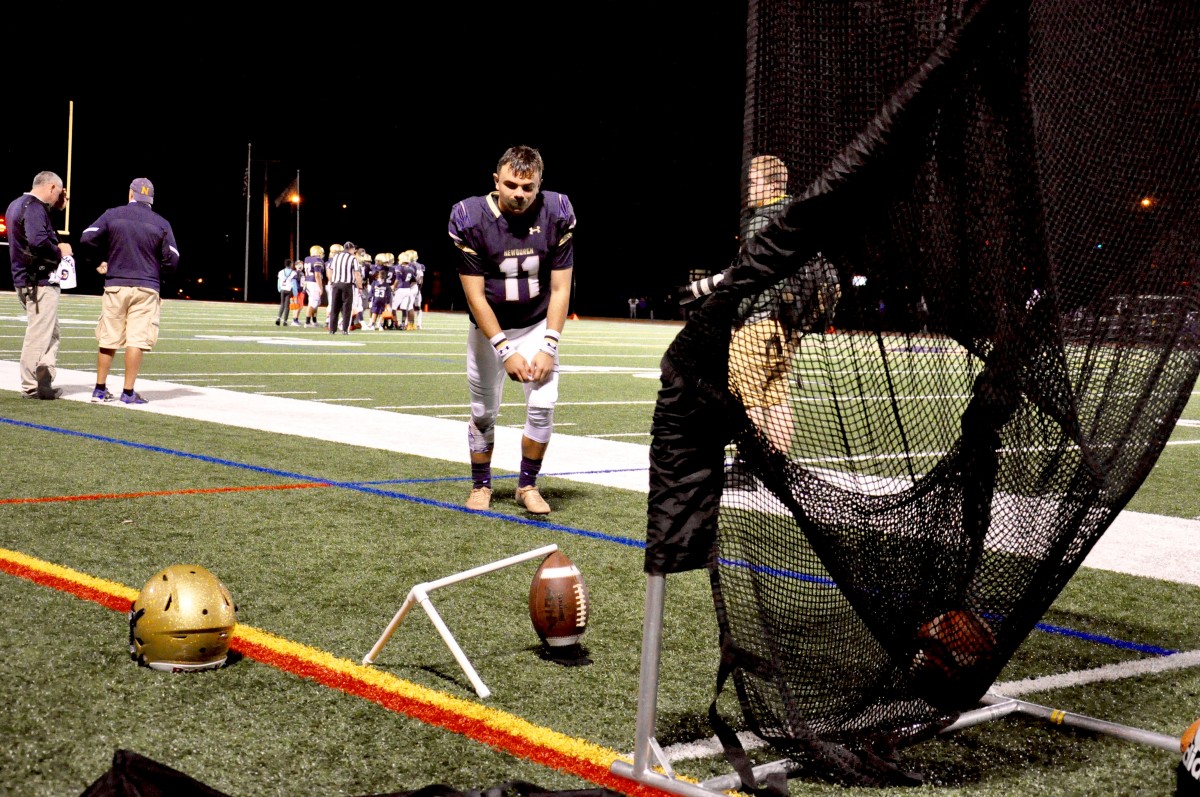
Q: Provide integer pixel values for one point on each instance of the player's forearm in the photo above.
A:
(560, 300)
(485, 317)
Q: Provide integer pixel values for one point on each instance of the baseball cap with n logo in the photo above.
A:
(143, 190)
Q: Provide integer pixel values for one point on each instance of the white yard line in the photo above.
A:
(1109, 672)
(1139, 544)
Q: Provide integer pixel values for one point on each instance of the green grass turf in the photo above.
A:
(328, 567)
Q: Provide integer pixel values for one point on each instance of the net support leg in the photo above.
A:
(996, 706)
(645, 745)
(733, 780)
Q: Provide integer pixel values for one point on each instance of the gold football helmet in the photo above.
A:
(182, 621)
(316, 251)
(336, 249)
(381, 259)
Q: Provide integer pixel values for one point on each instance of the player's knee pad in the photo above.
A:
(481, 430)
(539, 423)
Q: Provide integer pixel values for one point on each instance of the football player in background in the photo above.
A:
(405, 282)
(314, 283)
(419, 268)
(381, 298)
(517, 256)
(362, 287)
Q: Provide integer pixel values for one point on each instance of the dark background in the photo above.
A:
(389, 121)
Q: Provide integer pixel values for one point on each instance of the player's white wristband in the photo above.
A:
(504, 349)
(550, 343)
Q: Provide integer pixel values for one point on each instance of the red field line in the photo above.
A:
(197, 491)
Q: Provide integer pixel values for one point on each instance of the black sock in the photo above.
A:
(529, 472)
(127, 391)
(100, 386)
(481, 475)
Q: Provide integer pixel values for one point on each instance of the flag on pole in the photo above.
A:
(293, 188)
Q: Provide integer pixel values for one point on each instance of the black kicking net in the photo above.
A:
(952, 347)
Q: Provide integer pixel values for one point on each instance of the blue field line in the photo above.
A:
(365, 487)
(362, 487)
(1101, 639)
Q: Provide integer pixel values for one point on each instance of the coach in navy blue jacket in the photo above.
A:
(35, 253)
(136, 245)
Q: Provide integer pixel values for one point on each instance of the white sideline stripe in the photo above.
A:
(1109, 672)
(1139, 544)
(625, 465)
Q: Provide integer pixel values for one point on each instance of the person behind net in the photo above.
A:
(517, 256)
(764, 340)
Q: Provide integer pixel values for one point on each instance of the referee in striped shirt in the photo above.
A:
(343, 278)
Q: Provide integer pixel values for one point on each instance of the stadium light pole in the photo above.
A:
(295, 200)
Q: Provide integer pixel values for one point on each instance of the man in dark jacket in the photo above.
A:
(136, 245)
(35, 254)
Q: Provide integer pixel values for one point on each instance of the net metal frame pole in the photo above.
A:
(645, 744)
(996, 705)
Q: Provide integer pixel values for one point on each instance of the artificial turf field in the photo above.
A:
(333, 483)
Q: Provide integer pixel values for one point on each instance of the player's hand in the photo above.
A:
(541, 368)
(102, 268)
(64, 249)
(517, 368)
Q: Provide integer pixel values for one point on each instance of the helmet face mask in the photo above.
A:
(182, 621)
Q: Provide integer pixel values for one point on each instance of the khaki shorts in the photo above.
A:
(760, 363)
(128, 318)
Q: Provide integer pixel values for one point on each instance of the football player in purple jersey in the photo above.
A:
(381, 299)
(419, 267)
(314, 283)
(517, 255)
(405, 290)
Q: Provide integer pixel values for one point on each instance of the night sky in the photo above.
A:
(637, 113)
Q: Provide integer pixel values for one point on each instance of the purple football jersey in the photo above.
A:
(515, 254)
(313, 266)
